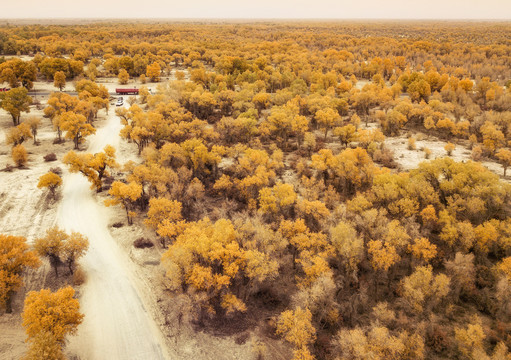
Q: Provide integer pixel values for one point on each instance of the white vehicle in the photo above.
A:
(120, 101)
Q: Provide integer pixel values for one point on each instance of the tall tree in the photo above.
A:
(57, 313)
(504, 156)
(125, 194)
(296, 327)
(59, 80)
(154, 71)
(61, 248)
(17, 135)
(51, 181)
(16, 101)
(15, 257)
(123, 77)
(93, 166)
(76, 127)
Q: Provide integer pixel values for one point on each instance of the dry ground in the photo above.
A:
(26, 211)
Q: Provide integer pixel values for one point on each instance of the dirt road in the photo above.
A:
(116, 324)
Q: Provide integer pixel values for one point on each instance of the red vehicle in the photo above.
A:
(126, 91)
(4, 89)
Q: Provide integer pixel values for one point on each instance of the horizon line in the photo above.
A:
(251, 19)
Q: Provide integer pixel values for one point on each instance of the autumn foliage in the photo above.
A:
(61, 248)
(48, 317)
(15, 258)
(265, 171)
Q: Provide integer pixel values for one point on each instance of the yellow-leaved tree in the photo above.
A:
(55, 313)
(92, 166)
(126, 195)
(207, 260)
(154, 71)
(59, 80)
(51, 181)
(61, 248)
(504, 156)
(164, 216)
(296, 327)
(423, 290)
(17, 135)
(348, 245)
(76, 127)
(123, 77)
(19, 155)
(327, 119)
(15, 257)
(277, 199)
(16, 101)
(34, 122)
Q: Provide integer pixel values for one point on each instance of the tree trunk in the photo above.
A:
(8, 302)
(128, 216)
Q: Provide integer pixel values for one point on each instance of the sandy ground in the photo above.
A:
(116, 325)
(26, 211)
(410, 159)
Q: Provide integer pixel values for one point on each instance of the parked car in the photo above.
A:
(120, 101)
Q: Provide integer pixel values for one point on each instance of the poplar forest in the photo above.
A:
(272, 190)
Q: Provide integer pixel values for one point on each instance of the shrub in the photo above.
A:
(50, 157)
(477, 153)
(118, 225)
(56, 170)
(411, 143)
(449, 148)
(79, 277)
(142, 243)
(427, 152)
(19, 155)
(384, 157)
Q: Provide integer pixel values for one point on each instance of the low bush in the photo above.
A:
(79, 277)
(142, 243)
(50, 157)
(56, 170)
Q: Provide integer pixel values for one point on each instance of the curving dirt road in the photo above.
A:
(116, 324)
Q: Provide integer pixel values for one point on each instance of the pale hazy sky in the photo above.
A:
(330, 9)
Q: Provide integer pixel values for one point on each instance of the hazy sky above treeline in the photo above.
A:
(273, 9)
